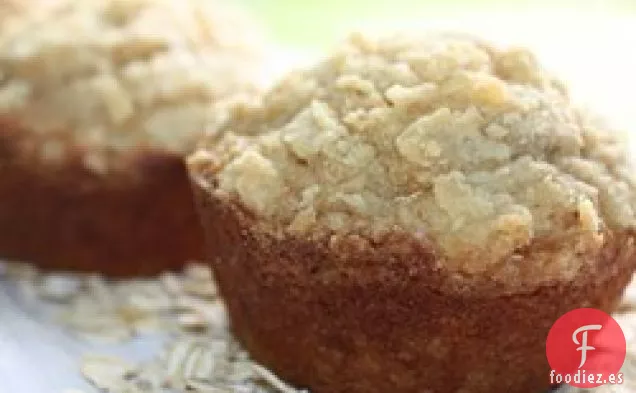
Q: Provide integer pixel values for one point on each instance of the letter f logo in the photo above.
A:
(584, 347)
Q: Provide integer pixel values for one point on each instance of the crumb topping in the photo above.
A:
(475, 147)
(109, 75)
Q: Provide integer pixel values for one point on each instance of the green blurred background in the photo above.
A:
(317, 23)
(588, 43)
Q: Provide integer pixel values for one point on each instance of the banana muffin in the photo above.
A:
(412, 215)
(100, 101)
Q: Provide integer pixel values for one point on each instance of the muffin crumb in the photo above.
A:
(105, 75)
(479, 145)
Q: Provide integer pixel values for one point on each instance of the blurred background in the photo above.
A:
(591, 44)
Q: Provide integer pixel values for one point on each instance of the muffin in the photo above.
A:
(99, 104)
(412, 214)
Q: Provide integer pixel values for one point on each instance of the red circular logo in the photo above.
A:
(586, 348)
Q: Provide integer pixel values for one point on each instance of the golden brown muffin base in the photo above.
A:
(348, 315)
(135, 222)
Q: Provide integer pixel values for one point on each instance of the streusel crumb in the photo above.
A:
(477, 148)
(109, 75)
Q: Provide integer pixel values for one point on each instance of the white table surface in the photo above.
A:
(38, 356)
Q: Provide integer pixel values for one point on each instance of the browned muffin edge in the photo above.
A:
(137, 221)
(348, 315)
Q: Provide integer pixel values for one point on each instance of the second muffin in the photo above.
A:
(100, 101)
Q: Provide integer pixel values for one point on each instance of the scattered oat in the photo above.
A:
(202, 356)
(145, 296)
(20, 271)
(204, 387)
(192, 321)
(27, 289)
(202, 359)
(171, 283)
(59, 287)
(190, 363)
(205, 289)
(98, 309)
(273, 380)
(89, 318)
(198, 271)
(100, 291)
(106, 372)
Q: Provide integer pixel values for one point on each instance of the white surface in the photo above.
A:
(37, 356)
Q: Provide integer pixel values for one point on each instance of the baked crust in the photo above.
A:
(474, 146)
(138, 220)
(346, 314)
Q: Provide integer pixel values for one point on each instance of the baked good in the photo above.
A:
(99, 103)
(412, 214)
